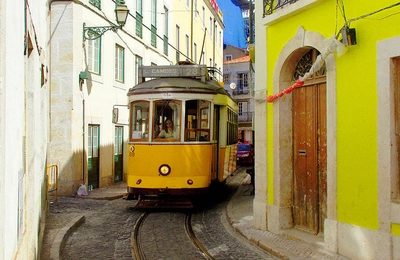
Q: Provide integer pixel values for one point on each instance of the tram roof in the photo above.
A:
(181, 85)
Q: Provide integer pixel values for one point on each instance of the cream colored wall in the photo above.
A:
(181, 16)
(75, 106)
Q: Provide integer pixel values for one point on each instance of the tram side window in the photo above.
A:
(167, 120)
(197, 121)
(232, 136)
(139, 121)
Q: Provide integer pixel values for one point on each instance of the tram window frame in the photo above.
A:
(139, 118)
(163, 110)
(197, 120)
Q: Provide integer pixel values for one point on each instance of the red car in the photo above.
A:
(245, 154)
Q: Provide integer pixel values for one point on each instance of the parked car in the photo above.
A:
(245, 154)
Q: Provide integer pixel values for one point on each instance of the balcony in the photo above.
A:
(241, 91)
(271, 5)
(245, 117)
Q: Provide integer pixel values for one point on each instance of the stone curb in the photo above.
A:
(62, 236)
(252, 240)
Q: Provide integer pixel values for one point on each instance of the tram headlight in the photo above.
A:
(189, 181)
(164, 169)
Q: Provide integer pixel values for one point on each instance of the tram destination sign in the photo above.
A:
(172, 71)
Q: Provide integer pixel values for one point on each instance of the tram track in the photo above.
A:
(138, 248)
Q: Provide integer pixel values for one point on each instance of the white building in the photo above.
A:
(239, 82)
(89, 76)
(24, 110)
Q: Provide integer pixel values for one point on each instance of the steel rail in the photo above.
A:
(137, 252)
(195, 240)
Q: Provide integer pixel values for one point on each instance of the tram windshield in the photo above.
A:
(167, 120)
(139, 120)
(162, 120)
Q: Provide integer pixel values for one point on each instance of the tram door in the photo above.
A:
(215, 142)
(118, 153)
(93, 156)
(309, 152)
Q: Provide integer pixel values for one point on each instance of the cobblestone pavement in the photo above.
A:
(106, 230)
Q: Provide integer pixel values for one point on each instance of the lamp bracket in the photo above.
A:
(92, 33)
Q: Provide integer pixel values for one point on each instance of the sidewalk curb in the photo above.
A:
(62, 236)
(251, 239)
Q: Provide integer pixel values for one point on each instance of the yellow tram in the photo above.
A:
(182, 131)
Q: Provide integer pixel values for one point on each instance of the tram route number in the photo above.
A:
(164, 71)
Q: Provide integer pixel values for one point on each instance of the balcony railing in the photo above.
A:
(241, 91)
(246, 117)
(271, 5)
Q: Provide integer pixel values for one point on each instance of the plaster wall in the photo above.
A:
(24, 123)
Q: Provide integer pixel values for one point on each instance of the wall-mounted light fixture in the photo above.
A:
(121, 14)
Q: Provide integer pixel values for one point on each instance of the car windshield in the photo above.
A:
(243, 147)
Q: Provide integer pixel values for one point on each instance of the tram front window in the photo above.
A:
(139, 123)
(197, 123)
(167, 118)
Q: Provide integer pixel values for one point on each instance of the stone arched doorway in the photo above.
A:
(281, 212)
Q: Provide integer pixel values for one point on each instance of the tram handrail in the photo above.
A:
(52, 178)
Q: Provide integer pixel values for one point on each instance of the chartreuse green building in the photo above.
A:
(327, 147)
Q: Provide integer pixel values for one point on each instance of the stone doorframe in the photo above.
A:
(280, 214)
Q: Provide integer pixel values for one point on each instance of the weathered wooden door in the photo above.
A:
(309, 150)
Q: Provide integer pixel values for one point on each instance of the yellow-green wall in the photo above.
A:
(356, 100)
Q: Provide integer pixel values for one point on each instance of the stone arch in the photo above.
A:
(280, 213)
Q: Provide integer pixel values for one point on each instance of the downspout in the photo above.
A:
(83, 140)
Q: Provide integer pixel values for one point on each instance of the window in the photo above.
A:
(232, 131)
(154, 23)
(397, 117)
(204, 18)
(94, 55)
(197, 120)
(195, 52)
(119, 63)
(227, 78)
(187, 4)
(228, 57)
(187, 46)
(166, 120)
(195, 9)
(96, 3)
(138, 63)
(211, 27)
(177, 43)
(139, 19)
(165, 30)
(139, 120)
(242, 83)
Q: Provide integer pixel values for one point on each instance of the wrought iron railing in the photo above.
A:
(241, 91)
(271, 5)
(246, 116)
